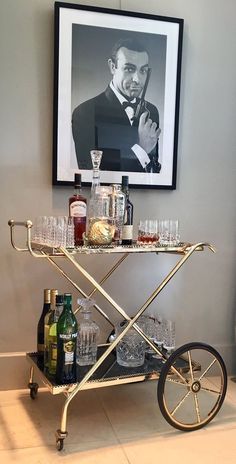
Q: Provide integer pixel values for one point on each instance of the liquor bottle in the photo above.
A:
(52, 334)
(40, 328)
(127, 229)
(117, 210)
(78, 210)
(67, 329)
(54, 292)
(96, 157)
(88, 333)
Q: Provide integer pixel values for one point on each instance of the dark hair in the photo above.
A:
(130, 44)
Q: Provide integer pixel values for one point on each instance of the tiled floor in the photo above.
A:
(116, 425)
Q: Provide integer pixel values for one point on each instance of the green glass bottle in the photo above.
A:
(54, 292)
(52, 334)
(67, 328)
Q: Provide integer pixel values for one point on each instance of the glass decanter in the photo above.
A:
(88, 333)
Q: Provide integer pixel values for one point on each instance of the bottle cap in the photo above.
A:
(78, 179)
(59, 299)
(54, 293)
(47, 295)
(67, 298)
(125, 180)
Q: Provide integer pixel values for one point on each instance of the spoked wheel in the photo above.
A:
(192, 386)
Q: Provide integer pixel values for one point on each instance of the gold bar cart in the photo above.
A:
(192, 381)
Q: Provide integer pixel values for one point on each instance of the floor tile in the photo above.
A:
(189, 447)
(92, 453)
(86, 420)
(121, 424)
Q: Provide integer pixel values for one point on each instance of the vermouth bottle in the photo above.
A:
(78, 210)
(52, 334)
(127, 229)
(67, 329)
(40, 328)
(49, 315)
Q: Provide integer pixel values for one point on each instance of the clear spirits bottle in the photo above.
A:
(96, 157)
(88, 333)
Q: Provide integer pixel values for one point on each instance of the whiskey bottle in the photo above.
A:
(127, 229)
(67, 329)
(40, 328)
(54, 292)
(78, 210)
(52, 334)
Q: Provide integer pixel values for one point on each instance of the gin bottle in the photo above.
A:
(88, 334)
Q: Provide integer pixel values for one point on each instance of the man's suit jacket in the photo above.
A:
(102, 123)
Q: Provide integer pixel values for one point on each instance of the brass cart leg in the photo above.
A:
(33, 386)
(109, 273)
(62, 433)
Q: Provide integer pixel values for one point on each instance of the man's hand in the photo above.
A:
(147, 132)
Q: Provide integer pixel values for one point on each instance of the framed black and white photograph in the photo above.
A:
(116, 89)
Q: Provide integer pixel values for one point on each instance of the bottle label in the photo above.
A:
(69, 350)
(40, 347)
(127, 232)
(53, 351)
(78, 209)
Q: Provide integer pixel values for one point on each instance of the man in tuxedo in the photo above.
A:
(109, 122)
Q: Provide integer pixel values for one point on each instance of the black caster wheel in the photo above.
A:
(33, 390)
(192, 386)
(60, 444)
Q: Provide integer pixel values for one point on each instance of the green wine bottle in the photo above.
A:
(46, 326)
(52, 334)
(67, 329)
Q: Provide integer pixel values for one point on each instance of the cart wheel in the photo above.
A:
(60, 444)
(192, 386)
(33, 390)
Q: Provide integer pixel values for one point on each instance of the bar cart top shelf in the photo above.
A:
(40, 250)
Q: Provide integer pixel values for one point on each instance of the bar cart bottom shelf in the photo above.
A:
(191, 388)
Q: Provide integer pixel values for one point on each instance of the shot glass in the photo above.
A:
(148, 231)
(174, 237)
(150, 332)
(169, 335)
(169, 232)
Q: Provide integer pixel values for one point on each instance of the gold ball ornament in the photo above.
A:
(101, 233)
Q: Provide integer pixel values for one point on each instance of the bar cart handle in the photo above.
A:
(28, 225)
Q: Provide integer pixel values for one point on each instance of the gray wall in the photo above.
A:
(202, 296)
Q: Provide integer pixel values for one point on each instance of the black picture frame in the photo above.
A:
(83, 38)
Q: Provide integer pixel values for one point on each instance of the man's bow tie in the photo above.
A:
(127, 104)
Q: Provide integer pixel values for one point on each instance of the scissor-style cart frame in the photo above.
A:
(180, 370)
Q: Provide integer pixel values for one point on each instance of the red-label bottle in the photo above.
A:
(78, 210)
